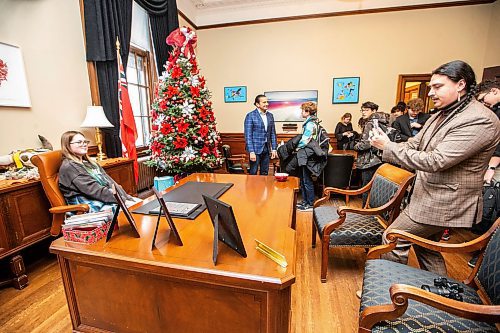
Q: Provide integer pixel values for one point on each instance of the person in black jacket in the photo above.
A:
(309, 149)
(344, 132)
(412, 122)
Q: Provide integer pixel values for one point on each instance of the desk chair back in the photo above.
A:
(338, 171)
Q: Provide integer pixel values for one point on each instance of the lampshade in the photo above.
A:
(95, 117)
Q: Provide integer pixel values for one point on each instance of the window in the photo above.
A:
(139, 89)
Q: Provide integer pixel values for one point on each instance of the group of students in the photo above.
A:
(452, 152)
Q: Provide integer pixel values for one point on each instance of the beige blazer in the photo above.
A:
(450, 162)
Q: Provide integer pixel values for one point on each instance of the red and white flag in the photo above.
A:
(128, 131)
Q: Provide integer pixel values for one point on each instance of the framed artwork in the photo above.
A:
(235, 94)
(345, 90)
(13, 84)
(285, 105)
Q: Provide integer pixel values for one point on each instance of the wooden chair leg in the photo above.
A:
(313, 234)
(324, 258)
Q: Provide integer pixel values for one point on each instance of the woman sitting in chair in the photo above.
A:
(82, 181)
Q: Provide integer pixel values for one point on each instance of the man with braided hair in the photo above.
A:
(449, 156)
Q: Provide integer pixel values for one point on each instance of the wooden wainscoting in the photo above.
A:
(237, 140)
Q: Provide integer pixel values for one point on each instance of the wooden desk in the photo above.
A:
(25, 218)
(124, 286)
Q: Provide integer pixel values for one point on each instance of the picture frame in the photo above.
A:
(346, 90)
(285, 105)
(236, 94)
(13, 83)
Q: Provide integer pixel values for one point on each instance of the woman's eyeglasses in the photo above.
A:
(80, 143)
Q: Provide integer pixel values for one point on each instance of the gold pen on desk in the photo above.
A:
(271, 254)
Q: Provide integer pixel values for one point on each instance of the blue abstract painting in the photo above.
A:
(345, 90)
(235, 94)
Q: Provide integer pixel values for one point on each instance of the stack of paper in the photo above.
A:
(89, 220)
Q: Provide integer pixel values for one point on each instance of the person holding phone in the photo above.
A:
(83, 181)
(344, 132)
(369, 159)
(450, 156)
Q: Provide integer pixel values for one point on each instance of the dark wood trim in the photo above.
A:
(346, 13)
(181, 14)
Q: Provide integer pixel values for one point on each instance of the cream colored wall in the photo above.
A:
(492, 57)
(49, 33)
(308, 54)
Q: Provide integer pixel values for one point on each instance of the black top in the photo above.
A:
(402, 124)
(341, 139)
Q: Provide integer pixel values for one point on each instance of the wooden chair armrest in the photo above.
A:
(474, 245)
(69, 208)
(400, 294)
(239, 156)
(342, 210)
(330, 227)
(329, 190)
(466, 247)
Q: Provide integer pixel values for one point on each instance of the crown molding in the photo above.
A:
(333, 14)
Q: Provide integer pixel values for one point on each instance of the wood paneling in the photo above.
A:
(237, 140)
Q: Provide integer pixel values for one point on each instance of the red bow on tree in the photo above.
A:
(182, 37)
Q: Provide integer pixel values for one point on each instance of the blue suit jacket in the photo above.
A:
(255, 133)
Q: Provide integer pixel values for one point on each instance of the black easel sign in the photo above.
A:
(225, 227)
(166, 214)
(128, 215)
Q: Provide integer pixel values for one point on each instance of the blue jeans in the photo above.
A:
(306, 186)
(262, 161)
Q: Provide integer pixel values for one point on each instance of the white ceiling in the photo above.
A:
(211, 12)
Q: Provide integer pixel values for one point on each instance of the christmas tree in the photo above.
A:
(184, 137)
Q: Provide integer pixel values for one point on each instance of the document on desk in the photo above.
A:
(188, 193)
(177, 208)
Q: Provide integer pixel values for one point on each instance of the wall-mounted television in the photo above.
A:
(285, 105)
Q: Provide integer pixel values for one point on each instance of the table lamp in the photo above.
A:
(95, 117)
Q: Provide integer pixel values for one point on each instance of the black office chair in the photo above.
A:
(234, 163)
(338, 170)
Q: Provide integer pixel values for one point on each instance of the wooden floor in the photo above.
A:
(317, 307)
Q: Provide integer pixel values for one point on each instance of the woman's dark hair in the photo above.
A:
(257, 99)
(369, 105)
(458, 70)
(346, 115)
(395, 109)
(401, 106)
(487, 85)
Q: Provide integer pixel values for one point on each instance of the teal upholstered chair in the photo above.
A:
(392, 299)
(359, 227)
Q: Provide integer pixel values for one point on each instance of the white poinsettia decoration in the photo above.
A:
(188, 154)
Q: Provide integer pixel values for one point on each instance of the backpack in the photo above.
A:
(491, 208)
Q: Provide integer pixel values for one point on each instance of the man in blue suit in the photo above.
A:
(260, 136)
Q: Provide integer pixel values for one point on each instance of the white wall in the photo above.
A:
(49, 33)
(308, 54)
